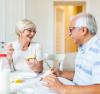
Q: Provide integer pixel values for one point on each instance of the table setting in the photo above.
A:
(28, 83)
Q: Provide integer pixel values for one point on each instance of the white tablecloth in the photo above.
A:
(31, 84)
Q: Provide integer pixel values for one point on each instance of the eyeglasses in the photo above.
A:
(72, 28)
(31, 30)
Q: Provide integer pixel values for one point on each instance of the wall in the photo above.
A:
(93, 7)
(59, 28)
(39, 11)
(2, 20)
(42, 14)
(11, 11)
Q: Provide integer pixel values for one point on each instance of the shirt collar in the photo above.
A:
(88, 44)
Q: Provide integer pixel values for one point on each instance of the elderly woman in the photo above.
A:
(23, 54)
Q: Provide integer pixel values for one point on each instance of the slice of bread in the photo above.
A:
(30, 57)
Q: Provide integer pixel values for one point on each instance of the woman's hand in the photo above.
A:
(9, 50)
(36, 66)
(31, 62)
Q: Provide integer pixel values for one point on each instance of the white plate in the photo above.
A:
(23, 75)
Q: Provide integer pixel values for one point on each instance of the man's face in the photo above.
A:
(75, 32)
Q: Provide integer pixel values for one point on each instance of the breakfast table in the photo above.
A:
(31, 83)
(28, 83)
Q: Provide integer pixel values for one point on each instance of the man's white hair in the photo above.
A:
(86, 20)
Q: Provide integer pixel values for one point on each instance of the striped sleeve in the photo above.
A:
(96, 73)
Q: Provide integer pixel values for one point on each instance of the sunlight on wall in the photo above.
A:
(69, 12)
(70, 46)
(59, 29)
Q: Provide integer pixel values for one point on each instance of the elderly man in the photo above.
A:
(86, 78)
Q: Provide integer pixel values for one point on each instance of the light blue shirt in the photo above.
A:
(87, 64)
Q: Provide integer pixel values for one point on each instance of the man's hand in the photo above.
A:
(52, 81)
(56, 72)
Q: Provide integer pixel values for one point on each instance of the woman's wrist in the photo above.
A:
(60, 73)
(10, 60)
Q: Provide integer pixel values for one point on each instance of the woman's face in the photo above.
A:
(27, 35)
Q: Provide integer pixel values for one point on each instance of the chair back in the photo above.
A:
(55, 59)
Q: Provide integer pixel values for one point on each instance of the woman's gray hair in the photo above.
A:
(25, 24)
(86, 20)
